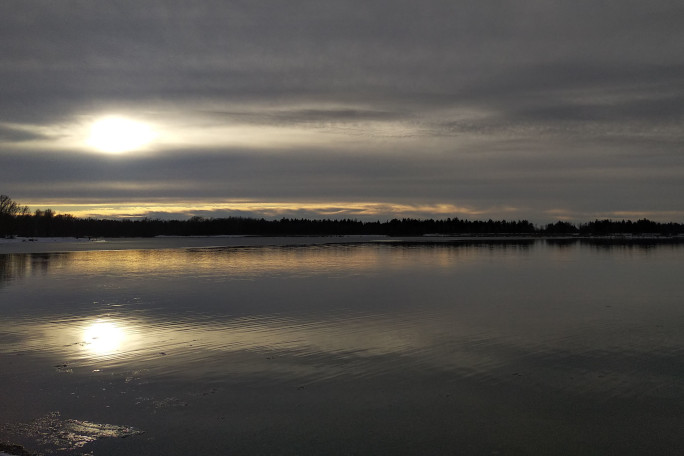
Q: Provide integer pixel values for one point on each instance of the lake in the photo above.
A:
(340, 346)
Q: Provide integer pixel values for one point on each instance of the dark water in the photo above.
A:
(384, 348)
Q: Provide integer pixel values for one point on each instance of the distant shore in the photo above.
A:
(18, 221)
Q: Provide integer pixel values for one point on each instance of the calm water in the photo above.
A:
(282, 347)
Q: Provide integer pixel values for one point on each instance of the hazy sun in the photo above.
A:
(119, 134)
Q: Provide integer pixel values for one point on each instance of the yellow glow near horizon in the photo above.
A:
(119, 134)
(263, 209)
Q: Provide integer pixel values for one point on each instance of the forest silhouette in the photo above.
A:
(17, 220)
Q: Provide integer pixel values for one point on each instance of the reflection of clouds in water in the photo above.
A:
(243, 261)
(104, 337)
(363, 346)
(213, 261)
(457, 311)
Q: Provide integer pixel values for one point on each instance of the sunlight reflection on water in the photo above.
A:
(103, 337)
(427, 328)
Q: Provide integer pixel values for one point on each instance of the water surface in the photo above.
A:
(281, 347)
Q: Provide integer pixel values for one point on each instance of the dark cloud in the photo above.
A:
(315, 118)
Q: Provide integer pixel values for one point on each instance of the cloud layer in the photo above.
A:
(539, 110)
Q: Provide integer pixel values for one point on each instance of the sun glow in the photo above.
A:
(103, 337)
(119, 134)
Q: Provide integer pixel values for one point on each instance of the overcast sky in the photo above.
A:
(542, 110)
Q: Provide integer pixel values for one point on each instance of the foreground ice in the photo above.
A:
(53, 433)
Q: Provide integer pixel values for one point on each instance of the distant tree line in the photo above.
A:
(16, 220)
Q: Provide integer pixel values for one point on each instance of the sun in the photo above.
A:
(119, 134)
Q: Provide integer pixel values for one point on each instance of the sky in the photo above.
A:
(370, 109)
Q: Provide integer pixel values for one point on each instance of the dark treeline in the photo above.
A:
(46, 223)
(17, 220)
